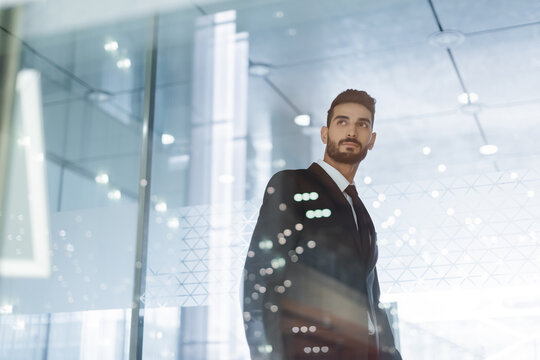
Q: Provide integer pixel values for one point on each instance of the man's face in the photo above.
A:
(349, 136)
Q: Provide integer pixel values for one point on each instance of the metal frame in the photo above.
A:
(139, 278)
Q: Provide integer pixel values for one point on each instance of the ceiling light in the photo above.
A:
(367, 180)
(426, 150)
(278, 14)
(441, 168)
(124, 63)
(488, 149)
(98, 95)
(173, 223)
(161, 206)
(114, 195)
(102, 179)
(259, 69)
(446, 38)
(302, 120)
(111, 46)
(467, 98)
(167, 139)
(291, 32)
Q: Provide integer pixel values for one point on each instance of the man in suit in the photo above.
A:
(310, 282)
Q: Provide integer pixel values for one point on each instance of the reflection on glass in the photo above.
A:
(24, 226)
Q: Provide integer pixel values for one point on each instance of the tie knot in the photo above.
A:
(351, 190)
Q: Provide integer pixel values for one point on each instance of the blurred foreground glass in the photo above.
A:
(70, 171)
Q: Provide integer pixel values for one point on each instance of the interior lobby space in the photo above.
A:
(137, 139)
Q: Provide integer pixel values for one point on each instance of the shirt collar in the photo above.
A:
(338, 177)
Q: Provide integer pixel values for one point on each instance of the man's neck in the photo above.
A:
(347, 170)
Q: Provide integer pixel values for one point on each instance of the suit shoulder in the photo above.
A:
(288, 177)
(284, 174)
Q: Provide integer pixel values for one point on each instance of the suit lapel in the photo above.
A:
(336, 195)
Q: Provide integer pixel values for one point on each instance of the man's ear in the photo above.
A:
(324, 135)
(372, 141)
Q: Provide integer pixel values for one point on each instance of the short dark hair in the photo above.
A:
(353, 96)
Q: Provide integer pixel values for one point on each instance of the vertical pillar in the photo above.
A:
(10, 49)
(218, 166)
(141, 252)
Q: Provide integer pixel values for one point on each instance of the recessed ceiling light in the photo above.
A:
(124, 63)
(488, 149)
(161, 206)
(426, 150)
(446, 38)
(167, 139)
(114, 195)
(291, 32)
(259, 69)
(102, 179)
(111, 46)
(98, 95)
(173, 223)
(279, 14)
(467, 98)
(302, 120)
(441, 168)
(367, 180)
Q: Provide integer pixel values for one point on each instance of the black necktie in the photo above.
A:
(365, 225)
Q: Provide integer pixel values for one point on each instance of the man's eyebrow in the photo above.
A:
(368, 120)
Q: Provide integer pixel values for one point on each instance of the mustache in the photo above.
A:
(350, 141)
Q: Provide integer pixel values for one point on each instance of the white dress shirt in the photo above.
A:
(341, 182)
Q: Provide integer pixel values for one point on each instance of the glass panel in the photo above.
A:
(70, 213)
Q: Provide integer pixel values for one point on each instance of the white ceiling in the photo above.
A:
(315, 50)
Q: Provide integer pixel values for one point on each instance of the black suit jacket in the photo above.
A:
(310, 278)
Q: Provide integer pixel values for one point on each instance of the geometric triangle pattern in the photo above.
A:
(197, 252)
(468, 232)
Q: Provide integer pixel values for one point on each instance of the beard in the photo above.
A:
(332, 149)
